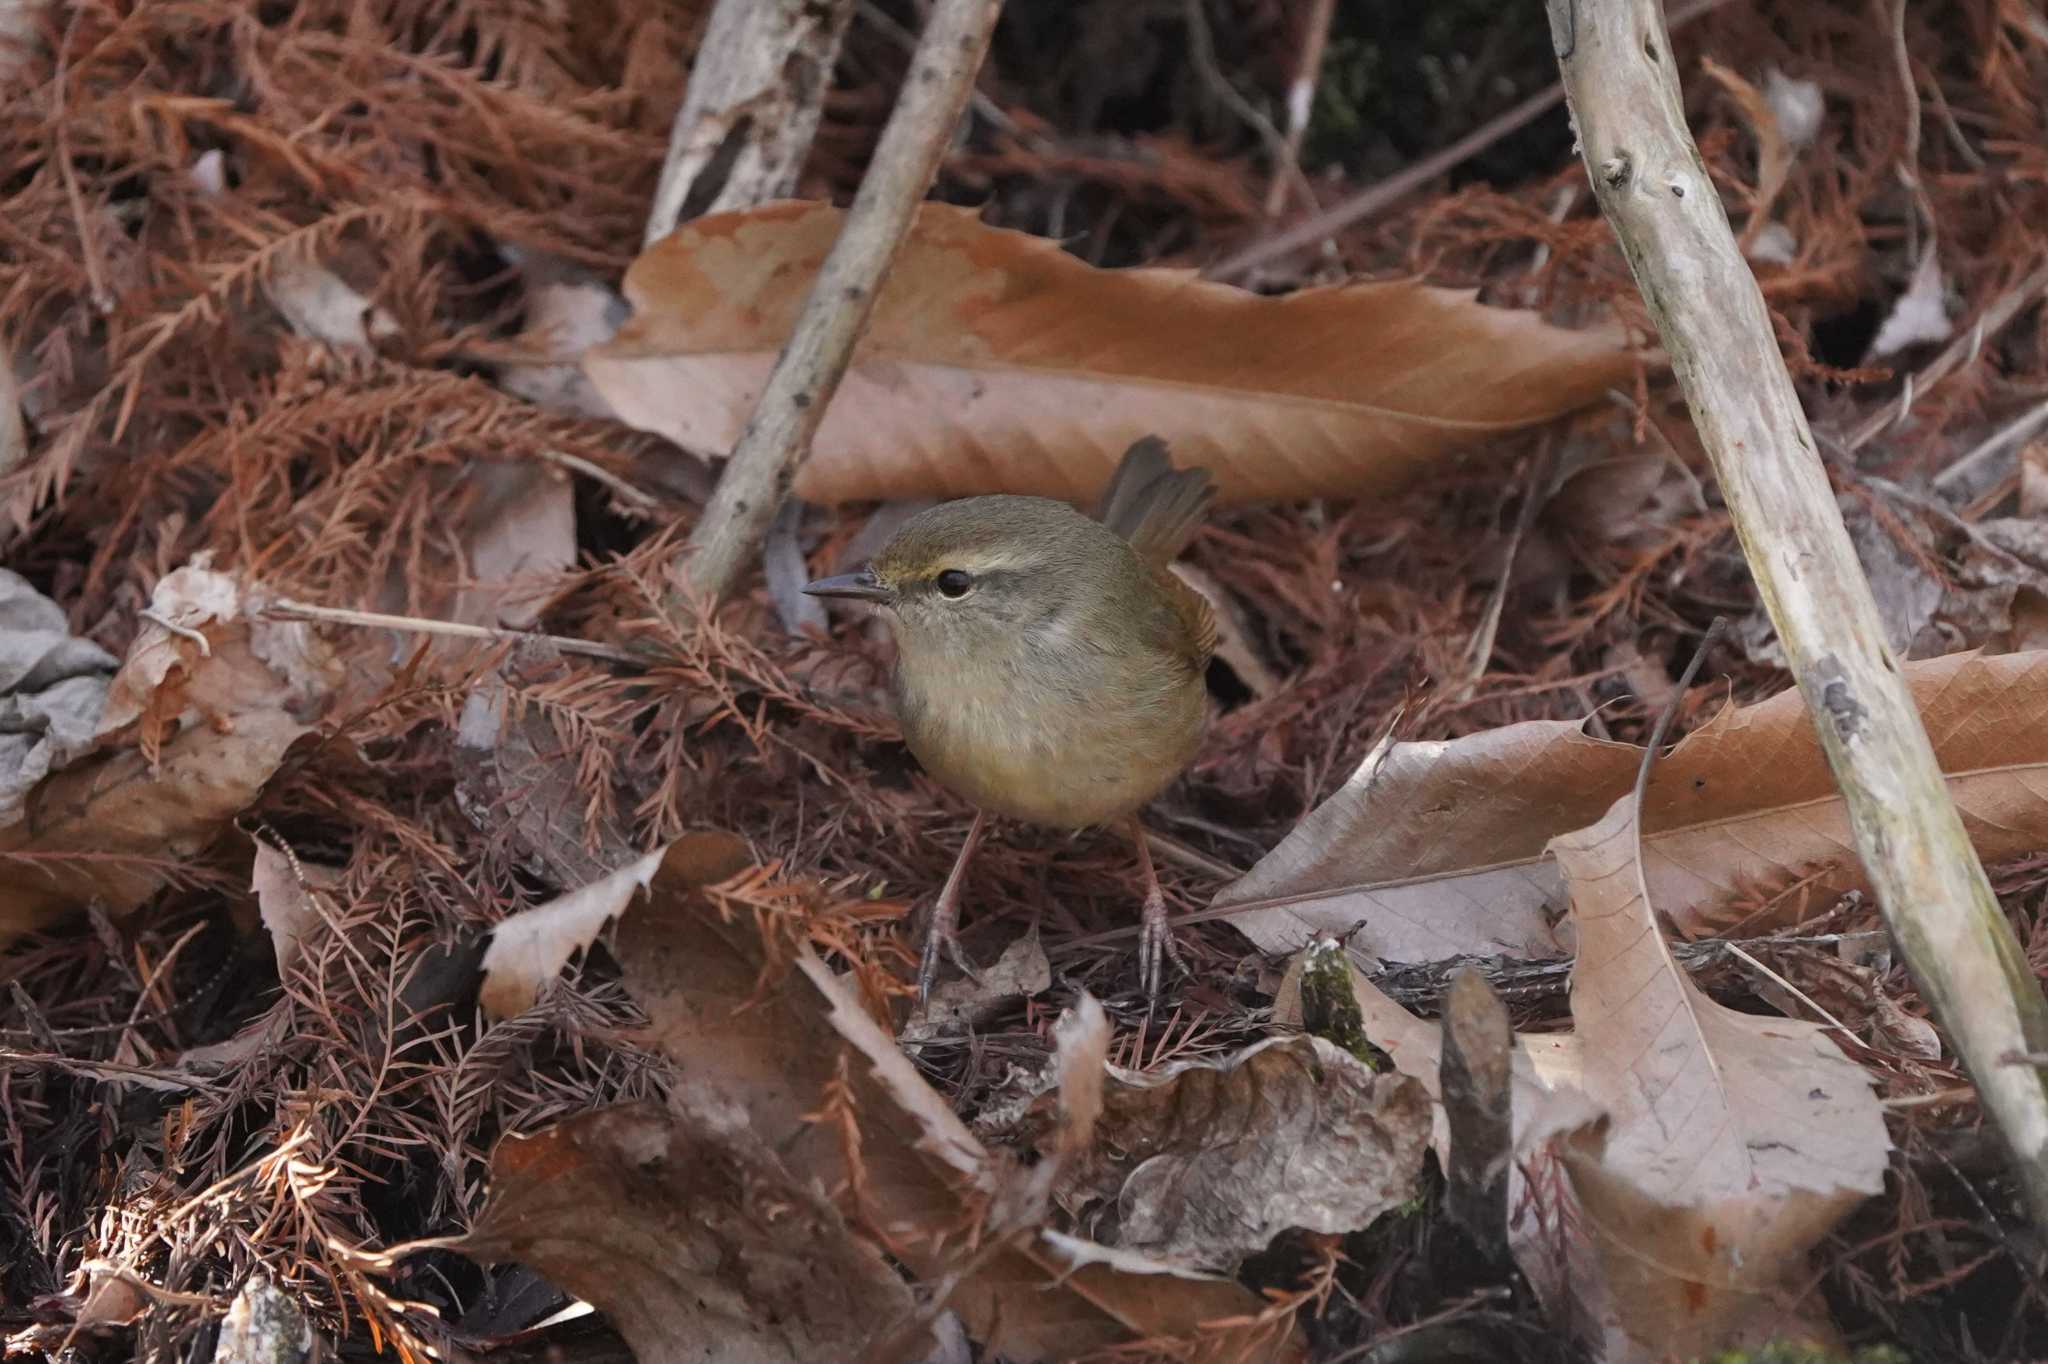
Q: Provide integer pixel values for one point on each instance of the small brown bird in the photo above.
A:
(1049, 667)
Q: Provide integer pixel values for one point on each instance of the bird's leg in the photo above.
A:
(1155, 944)
(946, 916)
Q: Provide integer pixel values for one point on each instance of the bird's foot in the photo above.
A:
(1156, 946)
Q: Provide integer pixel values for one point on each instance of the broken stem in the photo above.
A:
(756, 90)
(807, 372)
(1623, 90)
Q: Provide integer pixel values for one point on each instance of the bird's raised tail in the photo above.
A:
(1154, 505)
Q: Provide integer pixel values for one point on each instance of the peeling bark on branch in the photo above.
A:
(756, 91)
(1623, 89)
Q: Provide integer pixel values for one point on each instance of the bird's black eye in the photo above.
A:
(954, 584)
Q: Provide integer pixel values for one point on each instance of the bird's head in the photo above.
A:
(972, 574)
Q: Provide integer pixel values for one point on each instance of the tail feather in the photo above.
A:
(1153, 505)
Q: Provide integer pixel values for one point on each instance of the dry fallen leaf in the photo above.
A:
(52, 685)
(771, 1045)
(958, 1005)
(1733, 1142)
(1920, 314)
(530, 948)
(263, 1325)
(1773, 147)
(290, 896)
(1207, 1161)
(197, 719)
(997, 362)
(1439, 848)
(695, 1239)
(519, 538)
(568, 310)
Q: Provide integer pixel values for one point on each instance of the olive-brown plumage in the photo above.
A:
(1049, 666)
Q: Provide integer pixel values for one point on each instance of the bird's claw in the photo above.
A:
(1156, 946)
(941, 938)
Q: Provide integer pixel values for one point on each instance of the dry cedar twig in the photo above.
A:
(807, 372)
(1623, 88)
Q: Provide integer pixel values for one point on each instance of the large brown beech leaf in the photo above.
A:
(1440, 848)
(996, 362)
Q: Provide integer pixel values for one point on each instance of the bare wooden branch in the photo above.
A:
(807, 373)
(1623, 90)
(756, 90)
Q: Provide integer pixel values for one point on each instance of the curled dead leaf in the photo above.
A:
(1207, 1161)
(196, 720)
(1733, 1142)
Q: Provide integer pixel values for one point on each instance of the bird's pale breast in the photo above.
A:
(1118, 728)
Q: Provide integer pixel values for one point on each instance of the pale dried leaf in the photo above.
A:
(1081, 1046)
(1733, 1142)
(52, 686)
(568, 310)
(1441, 854)
(1921, 312)
(322, 306)
(13, 426)
(783, 568)
(195, 722)
(696, 1240)
(2032, 462)
(1234, 645)
(1773, 244)
(1543, 1067)
(289, 895)
(1207, 1161)
(1797, 105)
(22, 25)
(996, 362)
(529, 949)
(1437, 846)
(520, 539)
(516, 780)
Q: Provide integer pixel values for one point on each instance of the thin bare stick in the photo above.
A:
(288, 609)
(1371, 200)
(778, 435)
(1623, 89)
(756, 90)
(1301, 100)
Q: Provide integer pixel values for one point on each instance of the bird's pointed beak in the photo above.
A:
(860, 585)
